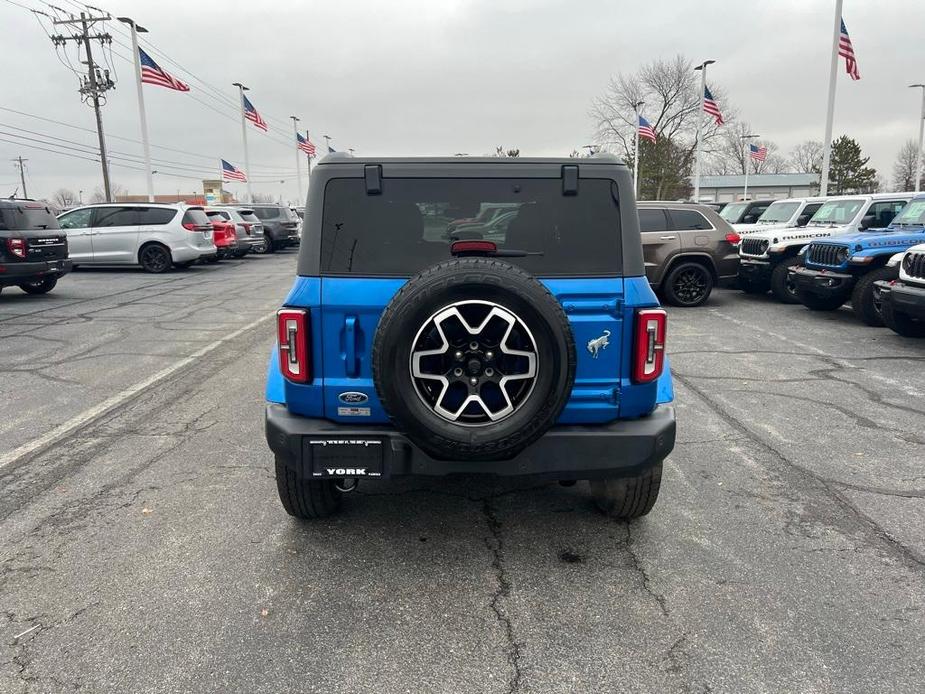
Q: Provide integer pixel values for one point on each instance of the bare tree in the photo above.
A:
(504, 153)
(117, 190)
(670, 92)
(263, 198)
(64, 197)
(806, 157)
(731, 154)
(904, 168)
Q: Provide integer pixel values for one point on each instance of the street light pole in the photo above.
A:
(146, 146)
(247, 162)
(703, 88)
(745, 139)
(298, 167)
(918, 152)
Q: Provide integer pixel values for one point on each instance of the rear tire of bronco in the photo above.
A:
(625, 498)
(40, 287)
(862, 297)
(815, 302)
(494, 356)
(688, 284)
(785, 289)
(305, 498)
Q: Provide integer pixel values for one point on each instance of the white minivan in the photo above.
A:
(155, 236)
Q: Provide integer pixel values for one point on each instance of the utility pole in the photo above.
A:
(298, 167)
(247, 161)
(97, 81)
(327, 144)
(703, 88)
(22, 174)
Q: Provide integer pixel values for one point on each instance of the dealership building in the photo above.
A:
(760, 186)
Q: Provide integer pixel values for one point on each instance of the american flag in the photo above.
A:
(152, 73)
(305, 145)
(846, 51)
(232, 173)
(757, 152)
(709, 106)
(645, 130)
(251, 114)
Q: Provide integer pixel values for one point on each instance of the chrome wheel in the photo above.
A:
(474, 363)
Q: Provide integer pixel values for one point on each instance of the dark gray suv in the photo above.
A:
(280, 225)
(688, 249)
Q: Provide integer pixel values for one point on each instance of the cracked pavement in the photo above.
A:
(147, 550)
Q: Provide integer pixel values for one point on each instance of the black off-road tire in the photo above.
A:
(814, 302)
(625, 498)
(466, 279)
(305, 499)
(155, 258)
(42, 286)
(862, 296)
(783, 288)
(688, 284)
(901, 323)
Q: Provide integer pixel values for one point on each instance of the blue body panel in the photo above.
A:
(345, 313)
(871, 243)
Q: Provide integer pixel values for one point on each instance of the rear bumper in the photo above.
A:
(17, 273)
(823, 282)
(620, 448)
(902, 297)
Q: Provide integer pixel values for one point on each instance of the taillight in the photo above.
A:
(733, 238)
(189, 226)
(649, 344)
(293, 339)
(17, 247)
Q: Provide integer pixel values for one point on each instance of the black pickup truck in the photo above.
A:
(33, 249)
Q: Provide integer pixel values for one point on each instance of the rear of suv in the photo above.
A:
(155, 236)
(33, 250)
(688, 249)
(536, 349)
(280, 226)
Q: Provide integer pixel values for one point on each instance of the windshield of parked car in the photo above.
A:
(837, 212)
(913, 214)
(733, 211)
(778, 212)
(413, 223)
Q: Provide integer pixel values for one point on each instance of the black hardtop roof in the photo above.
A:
(341, 158)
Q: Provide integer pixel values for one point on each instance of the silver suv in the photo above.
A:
(155, 236)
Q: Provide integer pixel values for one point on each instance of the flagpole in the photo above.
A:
(745, 191)
(247, 162)
(703, 88)
(746, 158)
(636, 152)
(298, 167)
(309, 157)
(830, 112)
(146, 146)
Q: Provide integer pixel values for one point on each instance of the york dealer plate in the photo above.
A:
(346, 457)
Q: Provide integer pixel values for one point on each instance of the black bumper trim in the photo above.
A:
(620, 448)
(823, 282)
(755, 270)
(18, 273)
(904, 298)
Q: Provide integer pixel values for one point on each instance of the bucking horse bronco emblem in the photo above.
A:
(598, 343)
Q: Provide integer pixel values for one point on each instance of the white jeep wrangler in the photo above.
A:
(902, 301)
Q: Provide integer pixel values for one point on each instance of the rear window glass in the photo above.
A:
(156, 215)
(27, 217)
(197, 216)
(218, 215)
(267, 212)
(411, 225)
(249, 217)
(684, 220)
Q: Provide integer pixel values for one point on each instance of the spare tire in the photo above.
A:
(473, 359)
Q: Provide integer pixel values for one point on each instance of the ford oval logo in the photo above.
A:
(353, 398)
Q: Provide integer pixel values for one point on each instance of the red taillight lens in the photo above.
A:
(293, 339)
(733, 238)
(17, 247)
(189, 226)
(649, 344)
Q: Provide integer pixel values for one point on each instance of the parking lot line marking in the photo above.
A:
(93, 413)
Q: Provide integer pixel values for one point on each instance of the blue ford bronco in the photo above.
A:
(417, 340)
(840, 268)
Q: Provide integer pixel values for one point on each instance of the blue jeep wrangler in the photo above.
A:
(844, 267)
(414, 342)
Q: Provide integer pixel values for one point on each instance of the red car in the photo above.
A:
(224, 238)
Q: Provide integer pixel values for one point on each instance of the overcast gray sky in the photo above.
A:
(442, 76)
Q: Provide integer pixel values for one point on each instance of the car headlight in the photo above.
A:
(841, 255)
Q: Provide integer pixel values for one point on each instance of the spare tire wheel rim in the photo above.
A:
(474, 363)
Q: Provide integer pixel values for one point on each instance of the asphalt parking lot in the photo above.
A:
(144, 549)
